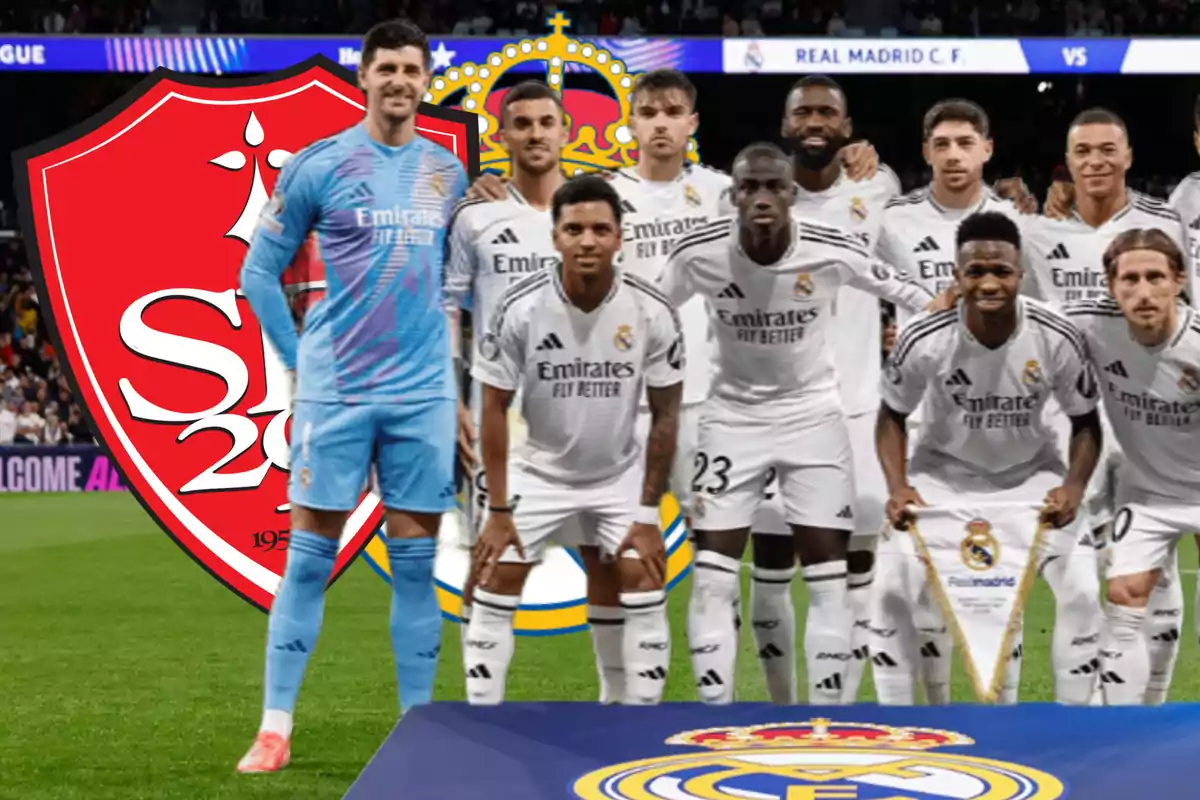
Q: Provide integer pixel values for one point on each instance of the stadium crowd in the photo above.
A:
(617, 18)
(37, 405)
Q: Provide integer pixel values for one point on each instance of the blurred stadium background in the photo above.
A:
(127, 673)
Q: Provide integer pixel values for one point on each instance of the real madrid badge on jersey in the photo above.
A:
(982, 561)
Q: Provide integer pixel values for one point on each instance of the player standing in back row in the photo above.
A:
(817, 127)
(579, 343)
(1066, 254)
(770, 282)
(375, 385)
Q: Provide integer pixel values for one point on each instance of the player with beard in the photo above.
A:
(1145, 343)
(986, 345)
(1065, 252)
(579, 342)
(816, 127)
(770, 281)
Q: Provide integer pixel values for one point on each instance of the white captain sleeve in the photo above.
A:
(1074, 383)
(904, 380)
(500, 357)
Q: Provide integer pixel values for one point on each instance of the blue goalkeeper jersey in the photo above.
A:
(377, 216)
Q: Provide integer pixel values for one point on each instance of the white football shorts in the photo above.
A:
(809, 461)
(870, 490)
(546, 511)
(1145, 533)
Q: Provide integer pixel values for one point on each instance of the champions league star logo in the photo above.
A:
(821, 758)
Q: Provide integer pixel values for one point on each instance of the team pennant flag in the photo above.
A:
(981, 561)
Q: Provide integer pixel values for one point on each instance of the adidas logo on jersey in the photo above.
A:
(627, 207)
(926, 245)
(732, 292)
(551, 342)
(1059, 252)
(958, 378)
(846, 513)
(1117, 368)
(506, 237)
(362, 192)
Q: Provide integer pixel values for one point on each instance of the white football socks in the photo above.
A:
(608, 631)
(773, 618)
(646, 646)
(827, 631)
(1075, 650)
(489, 647)
(1124, 657)
(859, 586)
(1163, 616)
(712, 633)
(278, 721)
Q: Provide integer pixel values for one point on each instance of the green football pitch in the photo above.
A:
(127, 672)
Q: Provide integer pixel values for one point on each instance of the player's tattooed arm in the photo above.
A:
(498, 531)
(891, 446)
(660, 443)
(1087, 439)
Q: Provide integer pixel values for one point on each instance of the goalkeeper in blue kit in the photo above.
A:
(374, 381)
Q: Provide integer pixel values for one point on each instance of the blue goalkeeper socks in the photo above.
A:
(296, 615)
(416, 619)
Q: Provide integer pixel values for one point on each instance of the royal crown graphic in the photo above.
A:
(598, 144)
(820, 732)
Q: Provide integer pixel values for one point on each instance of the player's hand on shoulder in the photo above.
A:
(488, 186)
(945, 299)
(1060, 197)
(647, 542)
(860, 160)
(499, 533)
(900, 505)
(1015, 190)
(1062, 504)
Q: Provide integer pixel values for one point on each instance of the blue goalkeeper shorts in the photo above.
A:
(410, 445)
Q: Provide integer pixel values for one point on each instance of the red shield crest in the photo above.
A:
(137, 222)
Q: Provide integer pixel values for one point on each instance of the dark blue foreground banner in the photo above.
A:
(693, 752)
(69, 468)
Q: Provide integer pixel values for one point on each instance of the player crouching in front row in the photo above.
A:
(578, 343)
(1145, 344)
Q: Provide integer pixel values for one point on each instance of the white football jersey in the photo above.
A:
(771, 322)
(1065, 257)
(856, 333)
(1186, 202)
(655, 215)
(579, 375)
(983, 423)
(918, 236)
(1152, 397)
(491, 246)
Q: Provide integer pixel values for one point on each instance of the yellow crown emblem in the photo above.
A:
(820, 732)
(582, 154)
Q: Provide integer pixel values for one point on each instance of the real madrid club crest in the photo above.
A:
(804, 286)
(858, 209)
(691, 196)
(821, 758)
(1189, 379)
(1033, 372)
(437, 184)
(980, 549)
(623, 338)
